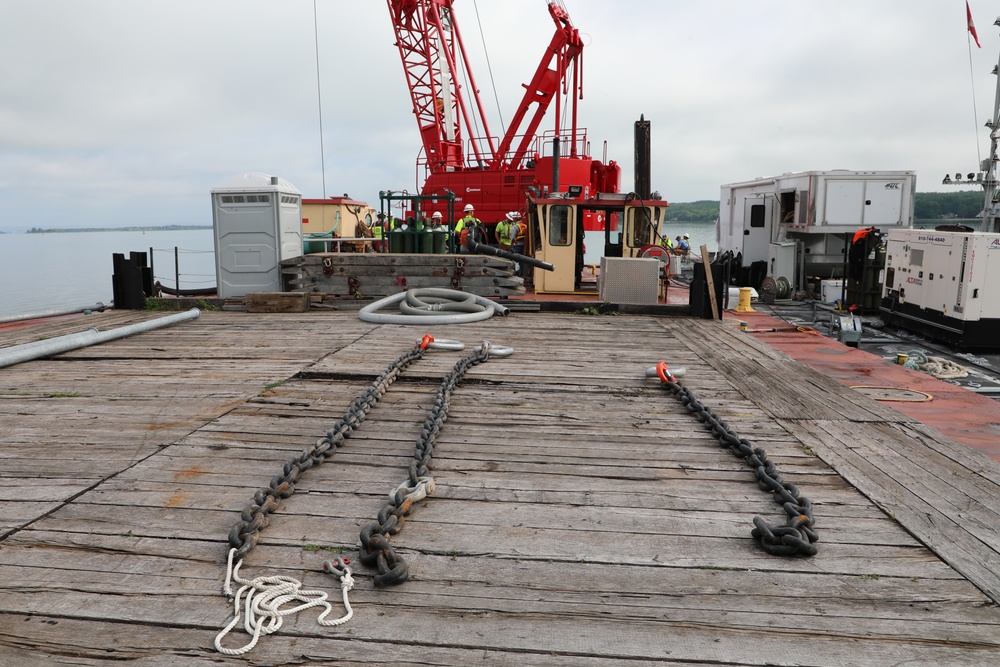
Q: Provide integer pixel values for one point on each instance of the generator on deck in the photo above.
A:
(939, 284)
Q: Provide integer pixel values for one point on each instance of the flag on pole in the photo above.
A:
(972, 27)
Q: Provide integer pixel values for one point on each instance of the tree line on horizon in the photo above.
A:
(926, 206)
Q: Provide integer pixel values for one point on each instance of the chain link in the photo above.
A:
(797, 536)
(375, 548)
(256, 515)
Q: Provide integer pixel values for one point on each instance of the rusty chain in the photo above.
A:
(375, 548)
(255, 516)
(245, 533)
(797, 536)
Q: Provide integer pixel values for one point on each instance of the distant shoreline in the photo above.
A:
(67, 230)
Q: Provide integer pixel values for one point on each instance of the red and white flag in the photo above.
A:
(972, 27)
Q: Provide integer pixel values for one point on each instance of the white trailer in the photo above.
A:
(801, 224)
(940, 284)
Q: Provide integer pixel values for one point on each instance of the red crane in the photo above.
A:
(459, 152)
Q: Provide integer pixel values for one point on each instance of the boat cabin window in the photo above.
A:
(757, 215)
(640, 225)
(559, 225)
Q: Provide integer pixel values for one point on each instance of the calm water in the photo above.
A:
(702, 233)
(42, 272)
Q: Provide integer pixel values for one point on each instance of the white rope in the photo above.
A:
(944, 369)
(265, 597)
(939, 367)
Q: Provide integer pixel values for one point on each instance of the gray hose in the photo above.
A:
(15, 354)
(432, 306)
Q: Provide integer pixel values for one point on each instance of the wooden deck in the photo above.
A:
(581, 518)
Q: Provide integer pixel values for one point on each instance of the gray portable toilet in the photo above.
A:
(258, 223)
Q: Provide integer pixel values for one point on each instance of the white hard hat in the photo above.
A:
(469, 207)
(512, 215)
(436, 214)
(687, 236)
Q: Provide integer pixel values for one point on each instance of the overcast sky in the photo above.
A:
(128, 112)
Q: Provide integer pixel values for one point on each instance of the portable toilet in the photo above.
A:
(257, 221)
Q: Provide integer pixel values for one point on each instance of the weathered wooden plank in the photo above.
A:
(863, 462)
(378, 286)
(788, 390)
(38, 641)
(663, 602)
(276, 302)
(315, 507)
(374, 275)
(505, 540)
(389, 260)
(154, 564)
(502, 268)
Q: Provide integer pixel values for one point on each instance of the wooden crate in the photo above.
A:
(277, 302)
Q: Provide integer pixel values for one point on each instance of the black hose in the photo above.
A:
(482, 249)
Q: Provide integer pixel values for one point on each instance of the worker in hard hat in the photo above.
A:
(468, 219)
(683, 245)
(377, 233)
(504, 231)
(464, 227)
(519, 240)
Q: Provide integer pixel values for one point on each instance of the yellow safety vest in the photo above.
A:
(503, 232)
(520, 230)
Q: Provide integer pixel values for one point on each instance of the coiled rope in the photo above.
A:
(939, 367)
(265, 597)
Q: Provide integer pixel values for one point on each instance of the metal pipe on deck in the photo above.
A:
(98, 307)
(482, 249)
(46, 348)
